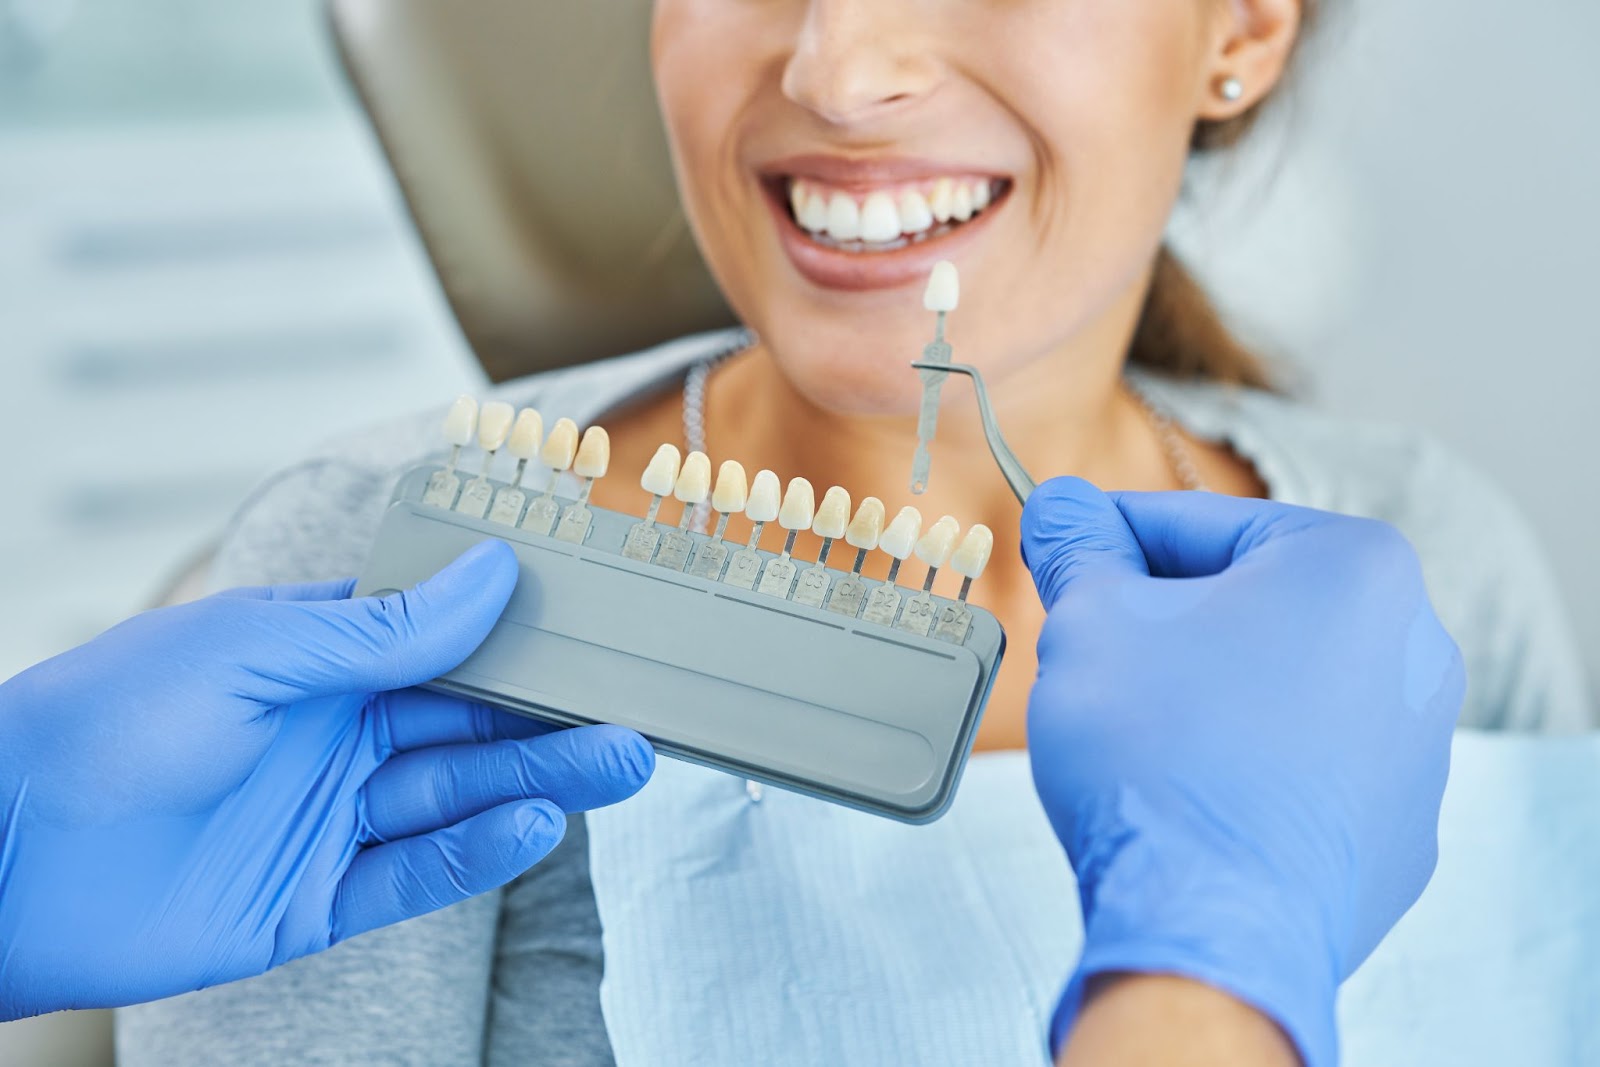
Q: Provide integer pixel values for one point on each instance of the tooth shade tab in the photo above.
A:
(867, 527)
(901, 537)
(972, 556)
(526, 434)
(494, 424)
(561, 446)
(694, 480)
(460, 422)
(799, 505)
(935, 546)
(834, 514)
(944, 287)
(660, 476)
(732, 491)
(764, 499)
(594, 454)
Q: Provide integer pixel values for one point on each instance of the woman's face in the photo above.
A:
(821, 145)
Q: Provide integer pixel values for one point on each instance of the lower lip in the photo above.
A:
(830, 268)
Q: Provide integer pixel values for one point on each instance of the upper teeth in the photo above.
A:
(885, 215)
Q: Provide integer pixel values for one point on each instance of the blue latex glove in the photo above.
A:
(207, 791)
(1241, 733)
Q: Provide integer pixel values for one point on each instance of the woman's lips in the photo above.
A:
(863, 267)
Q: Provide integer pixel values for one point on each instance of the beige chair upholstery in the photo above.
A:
(525, 137)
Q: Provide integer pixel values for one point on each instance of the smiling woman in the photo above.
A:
(827, 153)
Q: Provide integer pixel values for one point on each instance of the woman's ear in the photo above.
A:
(1252, 42)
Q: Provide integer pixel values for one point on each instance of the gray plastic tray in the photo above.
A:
(798, 697)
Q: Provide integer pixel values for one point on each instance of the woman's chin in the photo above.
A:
(857, 384)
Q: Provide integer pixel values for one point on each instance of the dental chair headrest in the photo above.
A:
(526, 140)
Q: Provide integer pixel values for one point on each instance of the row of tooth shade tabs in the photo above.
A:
(762, 501)
(496, 426)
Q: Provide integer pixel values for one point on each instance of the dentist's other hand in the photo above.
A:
(207, 791)
(1241, 733)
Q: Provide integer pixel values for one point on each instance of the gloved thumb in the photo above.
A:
(1071, 529)
(375, 644)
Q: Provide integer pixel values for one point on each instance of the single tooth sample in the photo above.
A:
(942, 296)
(557, 454)
(833, 516)
(591, 462)
(459, 424)
(798, 509)
(691, 489)
(494, 426)
(982, 193)
(727, 499)
(760, 507)
(797, 197)
(526, 435)
(899, 540)
(934, 549)
(969, 561)
(862, 535)
(659, 479)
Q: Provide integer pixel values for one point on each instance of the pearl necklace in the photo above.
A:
(1173, 447)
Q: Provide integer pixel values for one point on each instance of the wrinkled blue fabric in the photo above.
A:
(207, 791)
(1241, 734)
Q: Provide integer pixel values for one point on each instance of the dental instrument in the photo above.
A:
(942, 296)
(802, 677)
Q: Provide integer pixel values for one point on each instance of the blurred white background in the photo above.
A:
(204, 269)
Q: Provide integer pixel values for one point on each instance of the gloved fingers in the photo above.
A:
(417, 718)
(578, 769)
(300, 651)
(400, 880)
(1194, 535)
(339, 589)
(1071, 529)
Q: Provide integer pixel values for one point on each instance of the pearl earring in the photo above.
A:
(1230, 89)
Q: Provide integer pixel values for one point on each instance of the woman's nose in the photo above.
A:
(857, 59)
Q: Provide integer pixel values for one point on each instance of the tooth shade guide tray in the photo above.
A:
(794, 696)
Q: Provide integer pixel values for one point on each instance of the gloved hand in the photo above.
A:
(207, 791)
(1241, 733)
